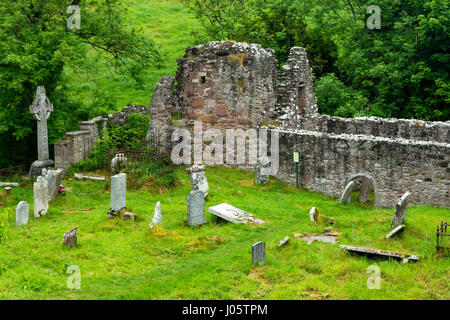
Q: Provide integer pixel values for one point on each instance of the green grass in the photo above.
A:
(124, 260)
(169, 24)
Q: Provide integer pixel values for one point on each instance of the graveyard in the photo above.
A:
(157, 151)
(126, 260)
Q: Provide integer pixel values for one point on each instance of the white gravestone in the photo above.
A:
(40, 194)
(198, 178)
(54, 178)
(41, 108)
(22, 213)
(347, 194)
(262, 170)
(259, 253)
(118, 192)
(233, 214)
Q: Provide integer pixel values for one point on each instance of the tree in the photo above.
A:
(35, 45)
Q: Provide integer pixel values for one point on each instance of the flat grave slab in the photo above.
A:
(405, 257)
(233, 214)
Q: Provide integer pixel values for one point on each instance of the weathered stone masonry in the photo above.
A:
(237, 85)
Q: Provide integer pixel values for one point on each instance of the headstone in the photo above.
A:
(313, 214)
(54, 178)
(395, 231)
(41, 109)
(8, 190)
(118, 162)
(283, 241)
(79, 176)
(381, 253)
(262, 170)
(196, 208)
(70, 237)
(400, 210)
(22, 213)
(347, 194)
(118, 192)
(259, 253)
(198, 178)
(40, 195)
(364, 191)
(157, 216)
(233, 214)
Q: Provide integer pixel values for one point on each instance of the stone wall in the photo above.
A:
(394, 166)
(78, 145)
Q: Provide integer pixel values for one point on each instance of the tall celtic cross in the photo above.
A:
(41, 109)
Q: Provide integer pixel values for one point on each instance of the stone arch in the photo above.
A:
(366, 178)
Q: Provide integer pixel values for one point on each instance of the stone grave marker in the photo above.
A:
(395, 231)
(283, 241)
(196, 208)
(157, 216)
(40, 195)
(70, 237)
(233, 214)
(54, 178)
(198, 179)
(41, 108)
(118, 192)
(347, 194)
(259, 253)
(400, 210)
(364, 191)
(22, 213)
(262, 170)
(405, 257)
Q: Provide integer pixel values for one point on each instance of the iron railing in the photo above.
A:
(441, 232)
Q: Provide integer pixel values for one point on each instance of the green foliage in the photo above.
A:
(36, 46)
(5, 216)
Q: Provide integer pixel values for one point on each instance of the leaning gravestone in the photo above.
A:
(41, 109)
(40, 195)
(259, 253)
(196, 208)
(157, 216)
(54, 178)
(70, 237)
(364, 191)
(347, 194)
(262, 170)
(198, 178)
(313, 214)
(22, 213)
(118, 192)
(400, 210)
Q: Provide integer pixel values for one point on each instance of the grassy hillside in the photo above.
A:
(125, 260)
(169, 24)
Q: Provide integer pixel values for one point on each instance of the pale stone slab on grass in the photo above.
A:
(347, 194)
(405, 257)
(310, 238)
(79, 176)
(395, 231)
(22, 213)
(118, 192)
(233, 214)
(9, 184)
(259, 253)
(400, 210)
(40, 197)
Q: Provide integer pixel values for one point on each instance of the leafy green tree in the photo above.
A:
(36, 45)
